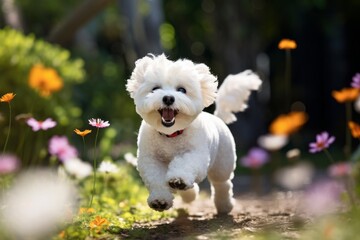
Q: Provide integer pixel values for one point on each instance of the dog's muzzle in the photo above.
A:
(168, 116)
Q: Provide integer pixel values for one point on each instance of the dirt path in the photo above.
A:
(275, 212)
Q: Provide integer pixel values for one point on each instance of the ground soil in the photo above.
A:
(252, 214)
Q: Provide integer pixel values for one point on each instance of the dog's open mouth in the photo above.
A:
(168, 116)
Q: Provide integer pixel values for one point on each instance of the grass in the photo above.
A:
(121, 201)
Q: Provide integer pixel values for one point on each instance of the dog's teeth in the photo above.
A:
(164, 120)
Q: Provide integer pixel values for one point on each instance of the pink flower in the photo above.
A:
(356, 81)
(99, 123)
(323, 141)
(339, 169)
(8, 163)
(255, 158)
(60, 147)
(40, 125)
(322, 198)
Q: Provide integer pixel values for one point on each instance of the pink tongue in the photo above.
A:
(168, 114)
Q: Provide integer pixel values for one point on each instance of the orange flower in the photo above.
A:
(346, 95)
(285, 44)
(7, 97)
(61, 234)
(98, 222)
(82, 133)
(45, 80)
(86, 210)
(355, 129)
(286, 124)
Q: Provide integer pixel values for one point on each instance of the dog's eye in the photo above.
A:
(155, 88)
(181, 89)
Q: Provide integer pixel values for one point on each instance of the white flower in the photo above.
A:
(272, 142)
(108, 167)
(357, 105)
(77, 168)
(296, 176)
(37, 205)
(131, 159)
(293, 154)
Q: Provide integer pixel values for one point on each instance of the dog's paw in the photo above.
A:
(159, 205)
(179, 183)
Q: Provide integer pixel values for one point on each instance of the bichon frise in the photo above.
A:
(179, 144)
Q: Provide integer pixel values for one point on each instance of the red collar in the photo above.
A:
(175, 134)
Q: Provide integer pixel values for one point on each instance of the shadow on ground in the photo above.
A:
(250, 216)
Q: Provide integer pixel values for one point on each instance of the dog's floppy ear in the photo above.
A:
(208, 84)
(137, 76)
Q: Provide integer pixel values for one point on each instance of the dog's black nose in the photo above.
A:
(168, 100)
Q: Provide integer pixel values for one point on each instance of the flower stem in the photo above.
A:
(327, 153)
(348, 133)
(83, 153)
(7, 137)
(94, 179)
(288, 78)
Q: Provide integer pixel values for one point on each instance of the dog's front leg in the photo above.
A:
(186, 169)
(153, 173)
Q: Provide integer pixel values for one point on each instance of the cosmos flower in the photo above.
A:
(287, 124)
(131, 159)
(98, 222)
(287, 44)
(255, 158)
(45, 80)
(322, 198)
(8, 163)
(356, 81)
(323, 141)
(40, 125)
(346, 95)
(7, 97)
(82, 133)
(293, 153)
(37, 204)
(98, 123)
(355, 129)
(108, 167)
(86, 210)
(77, 168)
(295, 176)
(272, 142)
(339, 169)
(60, 147)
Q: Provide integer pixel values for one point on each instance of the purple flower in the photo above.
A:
(40, 125)
(98, 123)
(323, 197)
(8, 163)
(255, 158)
(356, 81)
(60, 147)
(323, 141)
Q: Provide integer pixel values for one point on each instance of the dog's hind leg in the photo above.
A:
(190, 194)
(222, 195)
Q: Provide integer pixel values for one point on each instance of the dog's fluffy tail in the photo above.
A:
(234, 93)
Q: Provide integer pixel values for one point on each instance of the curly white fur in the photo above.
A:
(170, 96)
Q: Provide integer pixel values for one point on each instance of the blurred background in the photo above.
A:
(93, 45)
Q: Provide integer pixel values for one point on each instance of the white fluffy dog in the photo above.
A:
(179, 144)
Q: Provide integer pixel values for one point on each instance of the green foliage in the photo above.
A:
(41, 18)
(18, 54)
(120, 199)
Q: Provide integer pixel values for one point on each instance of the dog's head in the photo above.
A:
(169, 95)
